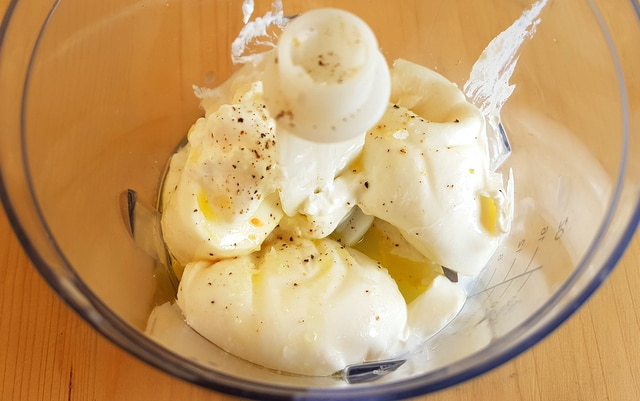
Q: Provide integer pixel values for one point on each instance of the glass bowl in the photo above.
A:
(95, 96)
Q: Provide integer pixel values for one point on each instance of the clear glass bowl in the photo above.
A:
(95, 96)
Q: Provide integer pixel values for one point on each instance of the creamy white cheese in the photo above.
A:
(309, 306)
(424, 168)
(249, 203)
(221, 199)
(235, 179)
(303, 303)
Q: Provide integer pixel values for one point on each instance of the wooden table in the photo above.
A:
(48, 353)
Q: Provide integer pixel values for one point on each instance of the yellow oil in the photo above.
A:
(205, 206)
(489, 214)
(412, 276)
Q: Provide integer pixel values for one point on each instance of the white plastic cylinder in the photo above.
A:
(327, 80)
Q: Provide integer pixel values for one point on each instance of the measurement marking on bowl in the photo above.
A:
(536, 263)
(530, 266)
(509, 281)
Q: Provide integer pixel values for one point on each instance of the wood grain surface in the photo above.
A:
(48, 353)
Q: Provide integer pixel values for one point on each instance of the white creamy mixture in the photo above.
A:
(300, 154)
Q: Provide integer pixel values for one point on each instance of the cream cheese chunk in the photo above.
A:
(309, 306)
(298, 305)
(424, 168)
(221, 199)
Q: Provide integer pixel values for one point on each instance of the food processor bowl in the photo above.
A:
(95, 96)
